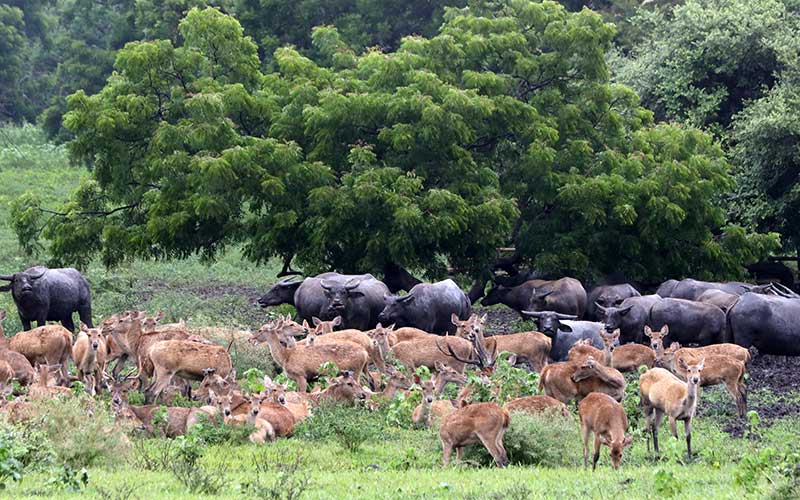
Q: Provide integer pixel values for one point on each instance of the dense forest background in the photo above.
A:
(661, 138)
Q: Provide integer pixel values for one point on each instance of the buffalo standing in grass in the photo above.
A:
(43, 294)
(358, 299)
(607, 296)
(428, 306)
(769, 323)
(564, 331)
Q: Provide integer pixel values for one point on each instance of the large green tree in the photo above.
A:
(503, 129)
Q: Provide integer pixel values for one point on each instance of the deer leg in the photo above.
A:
(493, 451)
(659, 415)
(162, 380)
(119, 365)
(687, 429)
(585, 433)
(302, 384)
(596, 456)
(673, 426)
(447, 450)
(648, 417)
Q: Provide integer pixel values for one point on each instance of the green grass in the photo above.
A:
(397, 463)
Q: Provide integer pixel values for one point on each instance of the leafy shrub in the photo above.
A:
(511, 383)
(152, 454)
(398, 411)
(665, 483)
(291, 385)
(79, 431)
(252, 380)
(349, 427)
(188, 469)
(10, 466)
(632, 403)
(69, 479)
(284, 478)
(219, 433)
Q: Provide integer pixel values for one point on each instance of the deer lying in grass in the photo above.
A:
(583, 349)
(50, 345)
(534, 405)
(343, 389)
(430, 411)
(606, 419)
(662, 393)
(280, 418)
(89, 353)
(186, 359)
(44, 383)
(301, 363)
(295, 402)
(212, 381)
(405, 334)
(718, 369)
(446, 374)
(628, 357)
(397, 381)
(531, 346)
(484, 423)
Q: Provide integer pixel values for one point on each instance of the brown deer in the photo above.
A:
(662, 393)
(353, 336)
(295, 402)
(301, 363)
(397, 381)
(44, 385)
(531, 346)
(606, 419)
(50, 345)
(429, 351)
(534, 405)
(446, 374)
(23, 369)
(89, 353)
(212, 381)
(484, 423)
(718, 369)
(628, 357)
(431, 410)
(583, 349)
(405, 334)
(656, 338)
(592, 376)
(279, 417)
(343, 389)
(186, 359)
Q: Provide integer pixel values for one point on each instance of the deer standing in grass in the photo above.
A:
(431, 410)
(628, 357)
(602, 416)
(89, 353)
(484, 423)
(662, 393)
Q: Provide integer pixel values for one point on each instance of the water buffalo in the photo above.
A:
(607, 296)
(689, 322)
(771, 324)
(629, 317)
(666, 288)
(723, 300)
(564, 331)
(428, 306)
(565, 296)
(43, 294)
(357, 298)
(691, 289)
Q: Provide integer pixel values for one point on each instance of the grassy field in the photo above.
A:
(316, 463)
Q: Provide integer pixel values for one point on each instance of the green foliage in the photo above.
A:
(188, 469)
(10, 465)
(511, 383)
(327, 369)
(349, 427)
(665, 483)
(253, 380)
(284, 478)
(400, 409)
(69, 479)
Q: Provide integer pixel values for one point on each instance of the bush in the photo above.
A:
(79, 431)
(10, 465)
(545, 440)
(188, 469)
(281, 478)
(511, 383)
(350, 427)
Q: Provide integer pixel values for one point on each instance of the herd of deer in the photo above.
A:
(166, 352)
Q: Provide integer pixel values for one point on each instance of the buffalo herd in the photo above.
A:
(697, 312)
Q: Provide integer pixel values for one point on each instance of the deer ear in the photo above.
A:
(337, 321)
(483, 318)
(627, 441)
(314, 320)
(455, 319)
(647, 331)
(84, 328)
(439, 366)
(665, 330)
(603, 440)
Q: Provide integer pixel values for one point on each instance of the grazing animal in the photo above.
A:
(607, 296)
(690, 322)
(429, 351)
(606, 419)
(279, 417)
(43, 295)
(723, 300)
(404, 334)
(50, 345)
(397, 381)
(484, 423)
(565, 296)
(431, 410)
(186, 359)
(301, 363)
(719, 369)
(768, 323)
(628, 357)
(428, 306)
(297, 404)
(23, 369)
(629, 317)
(446, 374)
(662, 393)
(212, 381)
(534, 405)
(563, 332)
(89, 353)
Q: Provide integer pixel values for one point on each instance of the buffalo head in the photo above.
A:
(612, 316)
(281, 292)
(23, 284)
(539, 299)
(549, 322)
(495, 295)
(339, 295)
(609, 298)
(396, 309)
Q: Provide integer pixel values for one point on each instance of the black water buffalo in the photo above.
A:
(43, 294)
(565, 296)
(771, 324)
(428, 306)
(357, 298)
(564, 331)
(630, 317)
(691, 289)
(723, 300)
(607, 296)
(689, 322)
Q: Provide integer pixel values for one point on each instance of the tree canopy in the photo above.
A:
(502, 129)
